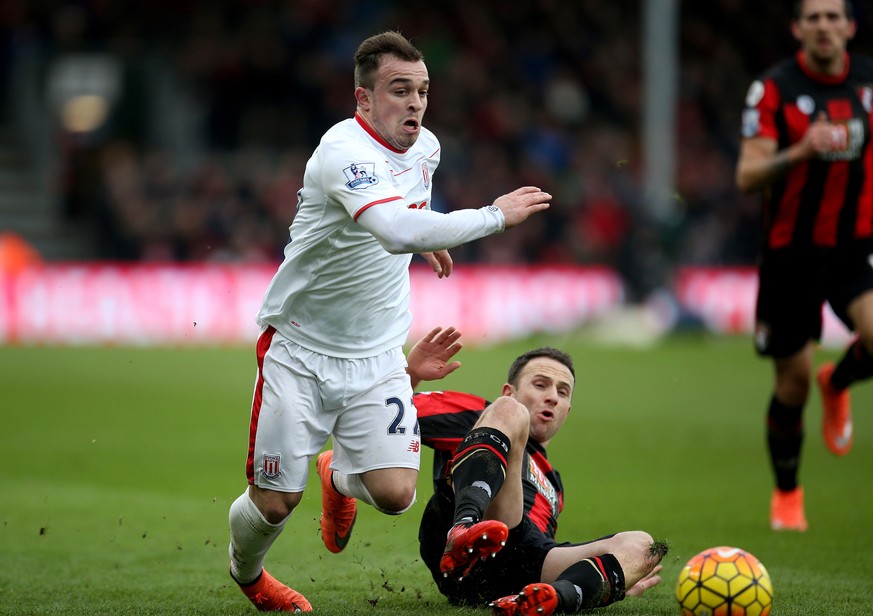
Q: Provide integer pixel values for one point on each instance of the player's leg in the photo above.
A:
(589, 575)
(517, 564)
(338, 511)
(858, 364)
(252, 535)
(788, 319)
(377, 445)
(276, 468)
(597, 573)
(389, 490)
(486, 468)
(785, 438)
(855, 365)
(785, 415)
(486, 478)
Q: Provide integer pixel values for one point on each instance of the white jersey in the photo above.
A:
(339, 292)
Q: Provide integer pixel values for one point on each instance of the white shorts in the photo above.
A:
(302, 397)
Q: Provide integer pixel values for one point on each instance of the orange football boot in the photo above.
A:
(338, 512)
(270, 595)
(468, 543)
(786, 510)
(836, 424)
(533, 600)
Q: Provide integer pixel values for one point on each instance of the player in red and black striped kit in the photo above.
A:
(492, 478)
(807, 146)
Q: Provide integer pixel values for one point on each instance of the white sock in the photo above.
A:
(353, 485)
(250, 538)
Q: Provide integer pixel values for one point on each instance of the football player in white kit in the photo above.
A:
(336, 314)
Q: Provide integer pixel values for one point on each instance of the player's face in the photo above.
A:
(545, 387)
(823, 30)
(396, 104)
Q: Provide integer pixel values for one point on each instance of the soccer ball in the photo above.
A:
(724, 581)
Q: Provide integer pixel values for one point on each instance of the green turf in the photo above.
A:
(117, 467)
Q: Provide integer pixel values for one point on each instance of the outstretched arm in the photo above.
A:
(429, 358)
(402, 230)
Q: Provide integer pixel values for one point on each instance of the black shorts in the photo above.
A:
(519, 563)
(792, 290)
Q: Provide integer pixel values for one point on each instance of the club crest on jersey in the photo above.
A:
(425, 174)
(360, 175)
(271, 465)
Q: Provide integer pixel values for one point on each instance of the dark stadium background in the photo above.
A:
(126, 366)
(214, 106)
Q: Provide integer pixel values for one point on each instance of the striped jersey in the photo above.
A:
(444, 419)
(828, 201)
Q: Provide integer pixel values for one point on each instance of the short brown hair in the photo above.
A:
(847, 7)
(371, 51)
(523, 360)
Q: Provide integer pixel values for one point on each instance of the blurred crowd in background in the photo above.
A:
(221, 103)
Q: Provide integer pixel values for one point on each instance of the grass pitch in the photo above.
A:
(117, 467)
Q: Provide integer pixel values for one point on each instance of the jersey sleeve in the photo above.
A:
(445, 417)
(357, 177)
(761, 106)
(402, 230)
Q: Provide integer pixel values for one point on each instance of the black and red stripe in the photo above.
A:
(445, 418)
(821, 203)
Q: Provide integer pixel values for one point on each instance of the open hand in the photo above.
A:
(649, 581)
(522, 203)
(429, 359)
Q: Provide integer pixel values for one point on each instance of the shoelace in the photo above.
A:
(261, 599)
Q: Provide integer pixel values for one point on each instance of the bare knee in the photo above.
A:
(274, 506)
(509, 416)
(392, 490)
(397, 500)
